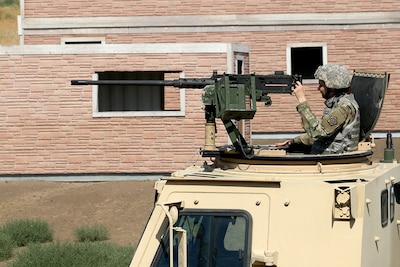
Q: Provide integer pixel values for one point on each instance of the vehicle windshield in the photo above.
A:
(213, 240)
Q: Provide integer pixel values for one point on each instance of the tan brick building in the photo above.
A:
(51, 127)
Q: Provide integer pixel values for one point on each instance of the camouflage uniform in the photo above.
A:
(339, 129)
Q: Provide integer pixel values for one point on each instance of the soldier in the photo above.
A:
(339, 129)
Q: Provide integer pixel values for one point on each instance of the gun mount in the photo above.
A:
(225, 96)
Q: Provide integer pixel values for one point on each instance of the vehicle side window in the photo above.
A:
(384, 207)
(213, 240)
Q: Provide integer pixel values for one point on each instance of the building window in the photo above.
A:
(83, 40)
(137, 99)
(239, 65)
(304, 59)
(131, 97)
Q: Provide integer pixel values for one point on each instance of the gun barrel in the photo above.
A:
(181, 83)
(118, 82)
(275, 83)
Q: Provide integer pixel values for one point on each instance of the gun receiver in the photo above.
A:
(225, 96)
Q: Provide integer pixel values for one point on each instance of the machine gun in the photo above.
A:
(225, 96)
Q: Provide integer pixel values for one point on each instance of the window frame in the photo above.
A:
(289, 47)
(164, 113)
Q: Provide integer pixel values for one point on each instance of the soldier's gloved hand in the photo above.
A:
(285, 143)
(299, 92)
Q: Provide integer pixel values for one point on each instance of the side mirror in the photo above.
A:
(396, 188)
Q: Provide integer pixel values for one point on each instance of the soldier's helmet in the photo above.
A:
(335, 76)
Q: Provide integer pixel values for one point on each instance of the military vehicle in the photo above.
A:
(261, 205)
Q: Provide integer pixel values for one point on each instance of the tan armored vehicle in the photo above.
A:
(263, 206)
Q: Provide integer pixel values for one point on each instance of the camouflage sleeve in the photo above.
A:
(303, 139)
(329, 124)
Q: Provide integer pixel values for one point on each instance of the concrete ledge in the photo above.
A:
(138, 48)
(84, 177)
(212, 21)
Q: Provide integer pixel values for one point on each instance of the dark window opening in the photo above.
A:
(239, 66)
(305, 60)
(82, 42)
(213, 239)
(136, 97)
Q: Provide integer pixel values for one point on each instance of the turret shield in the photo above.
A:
(369, 90)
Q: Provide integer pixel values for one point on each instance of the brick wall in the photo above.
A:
(79, 8)
(363, 49)
(47, 124)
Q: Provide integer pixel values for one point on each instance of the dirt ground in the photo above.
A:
(122, 206)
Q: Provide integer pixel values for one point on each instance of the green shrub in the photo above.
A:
(92, 233)
(6, 246)
(67, 254)
(26, 231)
(9, 2)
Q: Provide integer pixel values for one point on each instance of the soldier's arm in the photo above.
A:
(337, 118)
(303, 139)
(330, 124)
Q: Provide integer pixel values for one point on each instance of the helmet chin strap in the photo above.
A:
(329, 93)
(333, 92)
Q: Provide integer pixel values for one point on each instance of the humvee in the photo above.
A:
(262, 205)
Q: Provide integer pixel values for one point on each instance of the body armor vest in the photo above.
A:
(346, 139)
